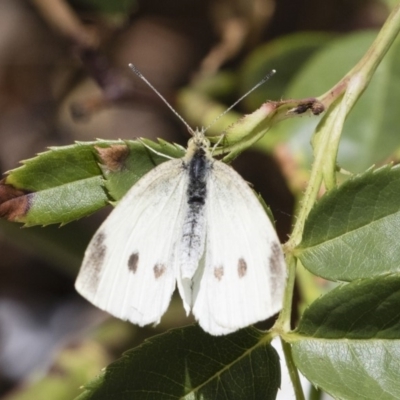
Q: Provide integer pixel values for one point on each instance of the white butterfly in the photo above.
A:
(193, 221)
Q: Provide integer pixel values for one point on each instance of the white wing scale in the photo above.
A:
(128, 269)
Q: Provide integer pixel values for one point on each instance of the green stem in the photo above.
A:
(293, 373)
(283, 325)
(284, 319)
(314, 184)
(321, 142)
(380, 46)
(314, 393)
(371, 59)
(325, 144)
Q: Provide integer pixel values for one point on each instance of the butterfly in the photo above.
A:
(193, 223)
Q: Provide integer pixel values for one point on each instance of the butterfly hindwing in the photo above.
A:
(128, 269)
(241, 279)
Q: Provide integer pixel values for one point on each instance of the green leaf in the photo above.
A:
(347, 342)
(335, 60)
(239, 133)
(105, 6)
(124, 163)
(67, 183)
(353, 231)
(286, 54)
(370, 133)
(58, 186)
(199, 109)
(187, 363)
(361, 310)
(56, 167)
(253, 127)
(218, 86)
(66, 203)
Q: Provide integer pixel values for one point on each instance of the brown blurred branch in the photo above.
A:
(59, 15)
(116, 85)
(239, 23)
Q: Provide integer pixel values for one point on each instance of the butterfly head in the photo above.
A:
(197, 142)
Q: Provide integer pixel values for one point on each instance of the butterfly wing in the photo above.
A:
(242, 275)
(128, 268)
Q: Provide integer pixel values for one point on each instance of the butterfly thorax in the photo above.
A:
(198, 169)
(198, 161)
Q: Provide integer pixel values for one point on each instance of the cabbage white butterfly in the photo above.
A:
(195, 223)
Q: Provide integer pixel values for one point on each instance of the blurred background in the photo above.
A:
(64, 77)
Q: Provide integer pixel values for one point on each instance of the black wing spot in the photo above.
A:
(159, 270)
(275, 264)
(242, 267)
(275, 259)
(219, 272)
(94, 264)
(133, 262)
(100, 249)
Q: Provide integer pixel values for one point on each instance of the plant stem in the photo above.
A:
(284, 319)
(314, 393)
(325, 143)
(321, 142)
(328, 132)
(283, 325)
(293, 372)
(371, 59)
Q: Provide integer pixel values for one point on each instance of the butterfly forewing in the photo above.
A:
(129, 269)
(244, 272)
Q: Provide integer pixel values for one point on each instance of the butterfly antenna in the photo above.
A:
(141, 76)
(263, 80)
